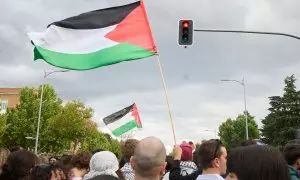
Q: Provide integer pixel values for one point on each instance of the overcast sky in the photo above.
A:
(199, 101)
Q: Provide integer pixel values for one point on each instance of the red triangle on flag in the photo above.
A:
(136, 116)
(134, 29)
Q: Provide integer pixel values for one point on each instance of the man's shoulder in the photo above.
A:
(209, 177)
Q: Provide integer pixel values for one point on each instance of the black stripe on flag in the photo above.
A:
(98, 19)
(117, 115)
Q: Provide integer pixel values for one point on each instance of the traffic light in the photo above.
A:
(185, 32)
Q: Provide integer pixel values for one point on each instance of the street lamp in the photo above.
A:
(246, 114)
(46, 74)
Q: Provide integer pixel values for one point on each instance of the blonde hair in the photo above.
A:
(3, 157)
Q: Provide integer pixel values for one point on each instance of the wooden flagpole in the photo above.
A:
(161, 73)
(166, 96)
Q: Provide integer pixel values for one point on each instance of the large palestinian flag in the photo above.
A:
(124, 120)
(97, 38)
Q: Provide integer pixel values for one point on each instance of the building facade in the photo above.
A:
(9, 98)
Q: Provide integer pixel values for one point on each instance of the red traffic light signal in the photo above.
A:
(185, 32)
(186, 24)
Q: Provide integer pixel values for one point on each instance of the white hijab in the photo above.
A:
(102, 163)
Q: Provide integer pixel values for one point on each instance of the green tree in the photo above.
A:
(22, 120)
(3, 127)
(72, 125)
(60, 128)
(280, 125)
(115, 147)
(95, 140)
(233, 131)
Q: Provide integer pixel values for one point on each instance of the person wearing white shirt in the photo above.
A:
(213, 159)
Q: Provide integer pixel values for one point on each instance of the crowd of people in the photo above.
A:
(146, 159)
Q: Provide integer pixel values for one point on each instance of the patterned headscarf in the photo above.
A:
(102, 163)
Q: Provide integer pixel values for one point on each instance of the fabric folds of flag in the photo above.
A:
(97, 38)
(124, 120)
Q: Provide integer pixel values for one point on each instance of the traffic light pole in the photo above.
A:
(247, 32)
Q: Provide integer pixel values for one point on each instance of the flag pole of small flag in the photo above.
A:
(124, 120)
(97, 38)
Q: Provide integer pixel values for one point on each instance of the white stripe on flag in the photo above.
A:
(73, 41)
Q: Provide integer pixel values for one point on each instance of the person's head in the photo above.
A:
(256, 163)
(52, 160)
(213, 156)
(81, 160)
(20, 163)
(15, 148)
(149, 158)
(187, 152)
(104, 177)
(58, 173)
(43, 160)
(103, 163)
(65, 163)
(292, 155)
(251, 142)
(128, 148)
(196, 159)
(192, 145)
(3, 156)
(46, 172)
(41, 172)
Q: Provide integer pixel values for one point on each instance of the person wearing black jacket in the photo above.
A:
(175, 171)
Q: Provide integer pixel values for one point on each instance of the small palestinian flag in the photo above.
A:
(124, 120)
(97, 38)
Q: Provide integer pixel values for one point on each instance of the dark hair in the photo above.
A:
(104, 177)
(251, 142)
(97, 150)
(122, 162)
(41, 172)
(15, 148)
(170, 161)
(52, 157)
(19, 164)
(65, 164)
(196, 159)
(257, 163)
(209, 150)
(81, 160)
(120, 174)
(291, 153)
(128, 148)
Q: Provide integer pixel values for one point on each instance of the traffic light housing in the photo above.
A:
(185, 32)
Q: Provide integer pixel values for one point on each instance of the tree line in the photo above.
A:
(64, 127)
(281, 125)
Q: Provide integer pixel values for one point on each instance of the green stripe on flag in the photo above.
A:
(124, 128)
(108, 56)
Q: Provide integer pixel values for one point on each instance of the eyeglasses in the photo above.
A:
(217, 147)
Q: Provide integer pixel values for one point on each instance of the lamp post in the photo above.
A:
(46, 74)
(30, 138)
(245, 104)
